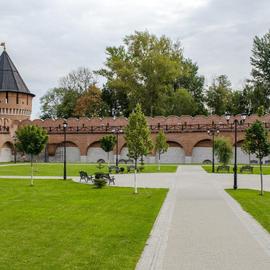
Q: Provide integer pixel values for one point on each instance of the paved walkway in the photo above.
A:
(206, 229)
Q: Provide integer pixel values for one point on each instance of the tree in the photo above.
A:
(147, 69)
(79, 80)
(31, 140)
(218, 95)
(161, 145)
(182, 103)
(223, 150)
(137, 136)
(260, 60)
(256, 138)
(50, 102)
(194, 84)
(61, 101)
(90, 103)
(107, 143)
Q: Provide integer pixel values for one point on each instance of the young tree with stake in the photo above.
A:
(137, 136)
(107, 143)
(31, 140)
(257, 141)
(161, 145)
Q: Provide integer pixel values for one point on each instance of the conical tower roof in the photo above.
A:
(10, 78)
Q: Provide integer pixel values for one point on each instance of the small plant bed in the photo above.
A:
(254, 170)
(56, 169)
(60, 224)
(256, 205)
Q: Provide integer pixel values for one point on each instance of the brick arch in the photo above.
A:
(93, 144)
(174, 144)
(8, 144)
(203, 143)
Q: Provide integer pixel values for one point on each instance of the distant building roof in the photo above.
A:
(10, 78)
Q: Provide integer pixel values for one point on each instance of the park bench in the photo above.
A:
(207, 161)
(223, 168)
(116, 169)
(246, 168)
(105, 176)
(122, 161)
(129, 161)
(131, 168)
(253, 161)
(84, 176)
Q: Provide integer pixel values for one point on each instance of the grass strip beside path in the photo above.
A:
(256, 169)
(56, 169)
(65, 225)
(256, 205)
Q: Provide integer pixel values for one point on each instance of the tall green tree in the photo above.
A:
(256, 139)
(147, 70)
(223, 150)
(260, 61)
(107, 143)
(194, 84)
(138, 138)
(31, 140)
(182, 103)
(218, 95)
(161, 145)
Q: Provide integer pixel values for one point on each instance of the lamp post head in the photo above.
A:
(243, 116)
(227, 116)
(65, 124)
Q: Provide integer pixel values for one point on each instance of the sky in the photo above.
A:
(46, 39)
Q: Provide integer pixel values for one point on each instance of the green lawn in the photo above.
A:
(65, 225)
(256, 205)
(256, 169)
(56, 169)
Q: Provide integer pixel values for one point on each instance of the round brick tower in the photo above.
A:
(15, 97)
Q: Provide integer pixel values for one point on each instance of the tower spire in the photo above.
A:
(3, 44)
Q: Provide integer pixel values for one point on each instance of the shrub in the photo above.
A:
(223, 149)
(100, 182)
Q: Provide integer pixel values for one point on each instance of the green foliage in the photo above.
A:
(61, 101)
(219, 95)
(257, 142)
(161, 145)
(137, 135)
(260, 110)
(147, 70)
(108, 142)
(256, 139)
(223, 150)
(182, 103)
(260, 60)
(31, 139)
(100, 182)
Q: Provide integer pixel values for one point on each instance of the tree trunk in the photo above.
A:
(135, 178)
(261, 176)
(32, 180)
(108, 160)
(249, 158)
(159, 161)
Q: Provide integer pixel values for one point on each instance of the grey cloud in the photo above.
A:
(46, 38)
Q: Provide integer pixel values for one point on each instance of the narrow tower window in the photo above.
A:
(6, 97)
(17, 98)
